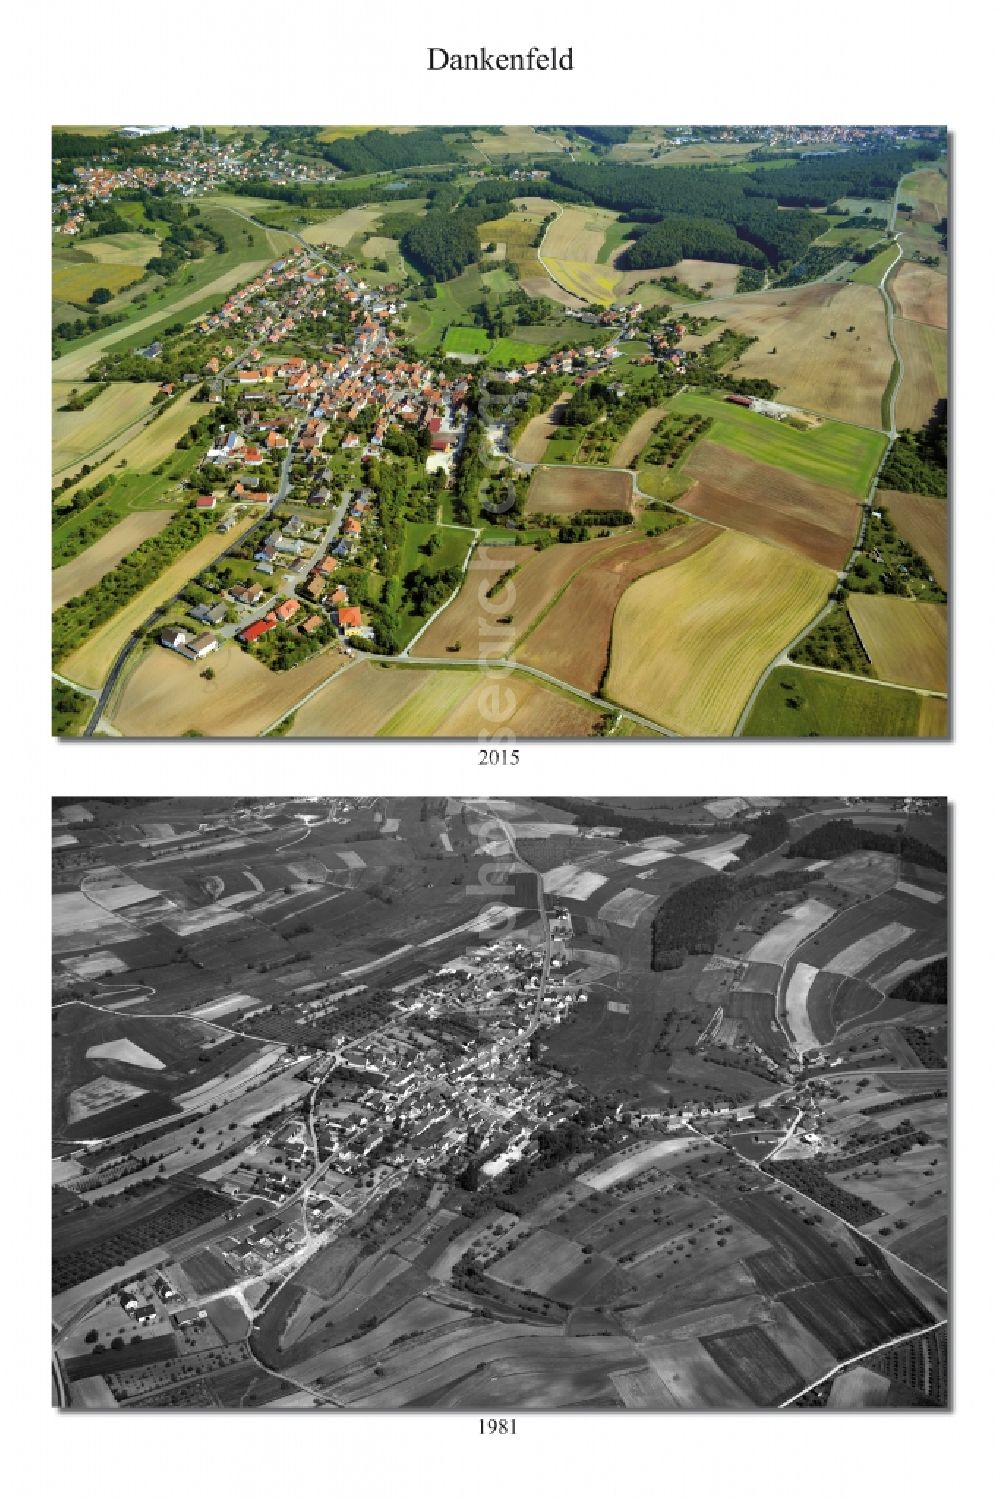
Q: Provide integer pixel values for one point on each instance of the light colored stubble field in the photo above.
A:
(906, 642)
(166, 694)
(922, 294)
(77, 435)
(412, 702)
(152, 443)
(842, 377)
(924, 351)
(690, 642)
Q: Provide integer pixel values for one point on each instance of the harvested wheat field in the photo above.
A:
(843, 376)
(77, 435)
(695, 273)
(922, 294)
(922, 520)
(342, 227)
(166, 694)
(414, 702)
(473, 621)
(813, 520)
(563, 490)
(573, 640)
(636, 437)
(906, 642)
(91, 565)
(690, 642)
(924, 351)
(149, 445)
(531, 444)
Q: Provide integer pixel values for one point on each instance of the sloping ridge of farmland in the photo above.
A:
(573, 640)
(690, 642)
(812, 520)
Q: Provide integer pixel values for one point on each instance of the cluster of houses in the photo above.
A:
(185, 164)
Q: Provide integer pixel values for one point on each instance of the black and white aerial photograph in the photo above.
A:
(602, 1105)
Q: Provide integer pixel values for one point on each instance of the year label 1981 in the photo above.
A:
(497, 1426)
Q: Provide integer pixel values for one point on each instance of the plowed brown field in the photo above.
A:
(813, 520)
(573, 640)
(562, 491)
(472, 621)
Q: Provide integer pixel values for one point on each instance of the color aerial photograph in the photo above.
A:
(447, 1104)
(351, 421)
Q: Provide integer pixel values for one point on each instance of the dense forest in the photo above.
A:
(681, 238)
(927, 987)
(604, 135)
(691, 918)
(767, 208)
(703, 194)
(767, 832)
(918, 462)
(841, 836)
(384, 151)
(819, 180)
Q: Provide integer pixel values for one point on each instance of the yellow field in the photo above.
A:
(906, 642)
(689, 642)
(74, 283)
(152, 443)
(90, 663)
(167, 695)
(89, 568)
(569, 253)
(338, 132)
(342, 227)
(439, 702)
(76, 363)
(77, 435)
